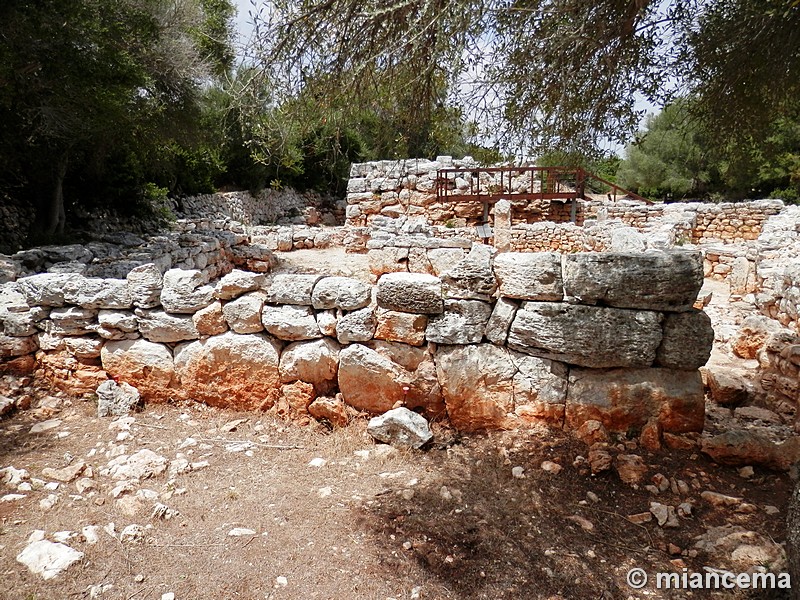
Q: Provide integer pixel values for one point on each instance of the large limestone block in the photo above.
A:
(388, 260)
(243, 315)
(687, 341)
(236, 283)
(315, 362)
(625, 399)
(158, 326)
(529, 275)
(462, 322)
(145, 365)
(472, 277)
(210, 320)
(753, 334)
(356, 326)
(45, 289)
(291, 289)
(345, 293)
(289, 322)
(502, 316)
(665, 281)
(144, 284)
(230, 370)
(403, 327)
(443, 259)
(184, 291)
(588, 336)
(540, 389)
(410, 292)
(477, 384)
(89, 292)
(374, 380)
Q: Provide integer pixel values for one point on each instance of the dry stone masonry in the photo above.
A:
(492, 341)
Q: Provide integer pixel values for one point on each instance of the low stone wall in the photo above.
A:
(492, 342)
(394, 188)
(285, 206)
(726, 221)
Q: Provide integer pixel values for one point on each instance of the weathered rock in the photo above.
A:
(375, 379)
(626, 399)
(585, 335)
(442, 259)
(592, 432)
(45, 289)
(17, 346)
(159, 326)
(98, 293)
(326, 321)
(728, 386)
(316, 362)
(686, 342)
(72, 320)
(499, 323)
(145, 365)
(210, 320)
(294, 400)
(665, 281)
(388, 260)
(48, 559)
(600, 460)
(236, 283)
(66, 474)
(540, 389)
(183, 291)
(116, 400)
(124, 321)
(401, 428)
(753, 334)
(472, 278)
(144, 283)
(650, 438)
(502, 225)
(630, 468)
(665, 515)
(289, 322)
(292, 289)
(529, 275)
(356, 326)
(740, 276)
(341, 292)
(410, 292)
(627, 239)
(332, 410)
(141, 465)
(477, 385)
(230, 370)
(368, 380)
(243, 315)
(403, 327)
(83, 347)
(746, 447)
(462, 322)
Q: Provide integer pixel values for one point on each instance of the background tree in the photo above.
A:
(93, 91)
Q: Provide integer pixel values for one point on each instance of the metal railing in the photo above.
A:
(490, 184)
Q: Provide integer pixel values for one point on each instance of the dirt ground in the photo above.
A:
(450, 521)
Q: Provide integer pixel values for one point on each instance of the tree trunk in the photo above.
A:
(56, 216)
(793, 540)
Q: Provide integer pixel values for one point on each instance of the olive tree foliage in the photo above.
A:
(536, 74)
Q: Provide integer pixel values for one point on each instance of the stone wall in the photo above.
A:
(285, 206)
(394, 188)
(726, 221)
(492, 342)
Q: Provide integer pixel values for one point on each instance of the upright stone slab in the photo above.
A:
(529, 275)
(664, 281)
(230, 370)
(502, 225)
(625, 399)
(144, 284)
(462, 322)
(540, 389)
(587, 336)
